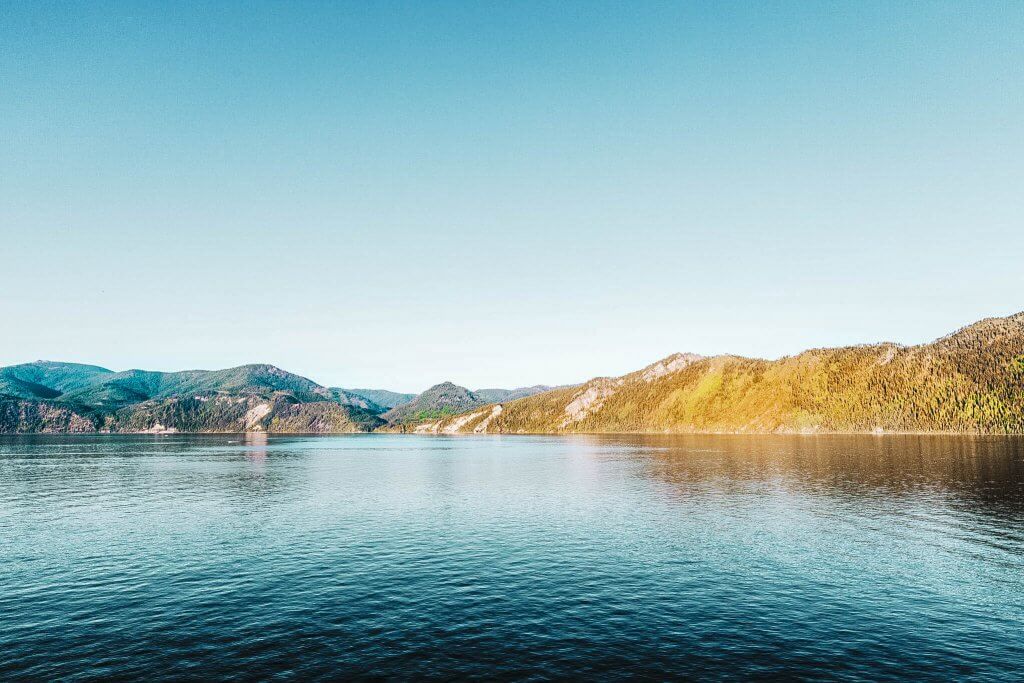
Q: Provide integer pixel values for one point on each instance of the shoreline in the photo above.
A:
(515, 434)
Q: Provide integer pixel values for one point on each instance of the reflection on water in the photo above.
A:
(371, 555)
(985, 472)
(256, 445)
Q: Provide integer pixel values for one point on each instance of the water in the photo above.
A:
(178, 557)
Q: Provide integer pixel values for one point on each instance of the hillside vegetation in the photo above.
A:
(382, 397)
(436, 402)
(499, 395)
(67, 397)
(46, 380)
(970, 381)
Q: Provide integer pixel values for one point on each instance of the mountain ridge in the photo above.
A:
(445, 398)
(254, 397)
(382, 397)
(968, 381)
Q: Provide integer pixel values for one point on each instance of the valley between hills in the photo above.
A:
(971, 381)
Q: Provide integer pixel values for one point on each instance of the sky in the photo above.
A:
(502, 194)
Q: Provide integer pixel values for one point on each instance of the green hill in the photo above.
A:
(47, 379)
(436, 402)
(133, 386)
(68, 397)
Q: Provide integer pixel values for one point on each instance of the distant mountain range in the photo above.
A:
(970, 381)
(48, 396)
(382, 397)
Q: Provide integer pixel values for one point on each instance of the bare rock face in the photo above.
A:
(667, 366)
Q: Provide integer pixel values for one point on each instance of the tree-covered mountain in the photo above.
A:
(132, 386)
(46, 396)
(436, 402)
(500, 395)
(27, 416)
(970, 381)
(382, 397)
(47, 380)
(393, 399)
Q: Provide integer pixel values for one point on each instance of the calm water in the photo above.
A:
(530, 557)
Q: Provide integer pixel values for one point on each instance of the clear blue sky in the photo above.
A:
(499, 194)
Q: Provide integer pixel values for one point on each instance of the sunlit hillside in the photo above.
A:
(969, 381)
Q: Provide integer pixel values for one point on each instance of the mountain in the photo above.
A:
(500, 395)
(393, 399)
(278, 412)
(971, 381)
(132, 386)
(27, 416)
(350, 398)
(46, 379)
(46, 396)
(382, 397)
(436, 402)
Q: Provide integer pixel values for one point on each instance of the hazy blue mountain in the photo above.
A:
(382, 397)
(347, 397)
(394, 399)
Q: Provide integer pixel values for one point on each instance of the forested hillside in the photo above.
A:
(970, 381)
(436, 402)
(68, 397)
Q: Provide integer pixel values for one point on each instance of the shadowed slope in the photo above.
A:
(48, 379)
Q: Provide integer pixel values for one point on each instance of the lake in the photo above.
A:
(390, 556)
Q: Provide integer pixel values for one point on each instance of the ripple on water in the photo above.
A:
(534, 557)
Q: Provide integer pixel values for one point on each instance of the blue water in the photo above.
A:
(303, 558)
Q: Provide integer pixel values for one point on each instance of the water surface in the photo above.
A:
(375, 556)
